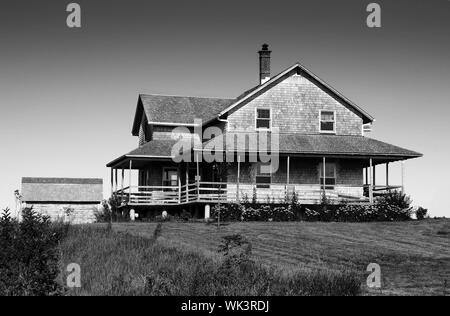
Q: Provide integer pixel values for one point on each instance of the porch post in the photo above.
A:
(179, 188)
(129, 182)
(387, 174)
(403, 177)
(324, 176)
(115, 182)
(370, 182)
(187, 182)
(286, 187)
(288, 168)
(367, 175)
(112, 185)
(238, 177)
(123, 176)
(374, 180)
(198, 179)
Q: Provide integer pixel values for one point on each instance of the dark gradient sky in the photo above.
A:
(68, 96)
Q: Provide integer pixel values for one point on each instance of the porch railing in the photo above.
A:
(214, 192)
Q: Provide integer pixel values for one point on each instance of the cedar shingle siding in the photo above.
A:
(296, 103)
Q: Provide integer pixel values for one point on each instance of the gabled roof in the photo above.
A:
(62, 190)
(63, 180)
(177, 109)
(367, 118)
(318, 144)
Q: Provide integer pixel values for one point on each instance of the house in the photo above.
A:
(68, 199)
(314, 141)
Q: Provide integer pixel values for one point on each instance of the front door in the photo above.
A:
(170, 177)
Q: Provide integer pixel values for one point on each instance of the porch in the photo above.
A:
(344, 169)
(222, 192)
(163, 182)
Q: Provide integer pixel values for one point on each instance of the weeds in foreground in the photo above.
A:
(29, 255)
(121, 264)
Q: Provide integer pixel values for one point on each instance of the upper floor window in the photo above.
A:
(327, 122)
(263, 119)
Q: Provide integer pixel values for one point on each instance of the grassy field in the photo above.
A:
(114, 263)
(414, 256)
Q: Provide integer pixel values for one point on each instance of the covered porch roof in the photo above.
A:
(318, 145)
(156, 150)
(313, 145)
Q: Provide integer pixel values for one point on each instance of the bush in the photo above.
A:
(103, 215)
(251, 214)
(283, 214)
(421, 213)
(395, 198)
(228, 212)
(29, 256)
(370, 213)
(185, 215)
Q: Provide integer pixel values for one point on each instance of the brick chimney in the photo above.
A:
(264, 63)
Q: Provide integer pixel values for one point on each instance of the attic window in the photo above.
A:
(263, 119)
(327, 122)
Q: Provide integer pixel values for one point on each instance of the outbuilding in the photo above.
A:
(72, 200)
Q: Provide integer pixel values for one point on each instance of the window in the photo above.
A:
(263, 175)
(330, 175)
(327, 122)
(170, 177)
(263, 119)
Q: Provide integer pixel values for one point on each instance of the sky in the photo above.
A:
(68, 95)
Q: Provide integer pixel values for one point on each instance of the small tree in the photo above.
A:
(221, 170)
(254, 197)
(421, 213)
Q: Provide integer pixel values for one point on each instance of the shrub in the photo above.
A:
(29, 256)
(157, 232)
(421, 213)
(103, 215)
(251, 214)
(185, 215)
(370, 213)
(266, 213)
(296, 208)
(235, 246)
(311, 214)
(281, 214)
(395, 198)
(254, 197)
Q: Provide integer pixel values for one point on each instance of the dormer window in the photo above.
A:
(263, 119)
(327, 122)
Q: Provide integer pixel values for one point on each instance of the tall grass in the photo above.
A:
(121, 264)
